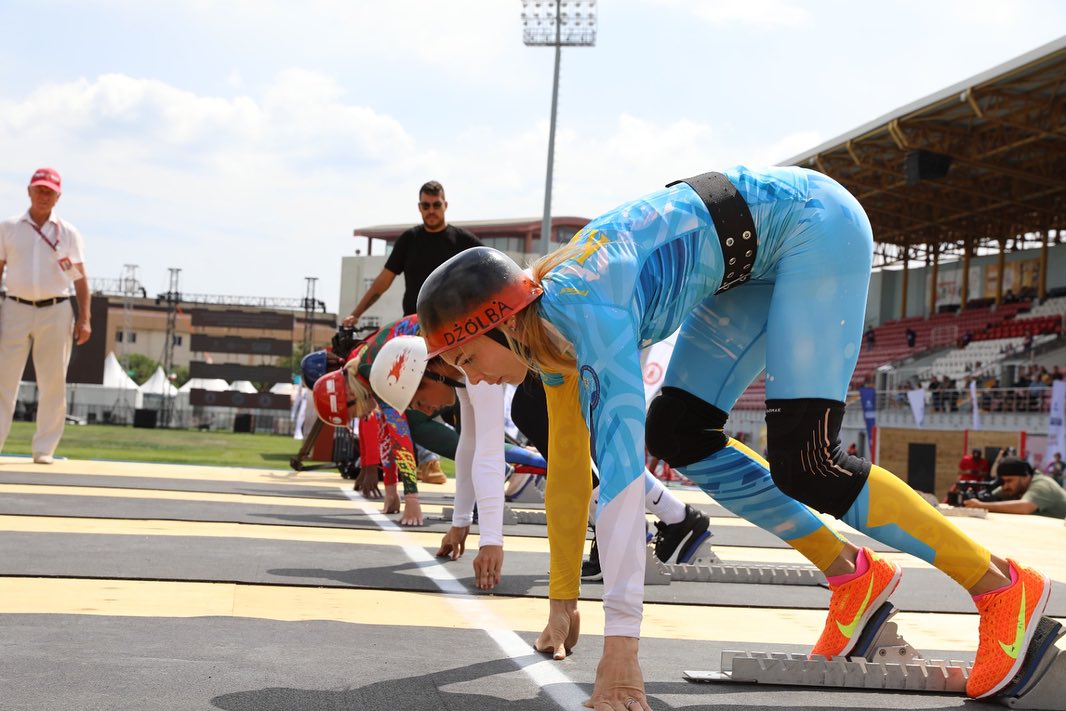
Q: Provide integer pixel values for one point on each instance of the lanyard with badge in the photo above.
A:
(64, 262)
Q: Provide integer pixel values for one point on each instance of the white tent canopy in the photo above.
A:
(115, 376)
(243, 386)
(283, 389)
(216, 385)
(158, 384)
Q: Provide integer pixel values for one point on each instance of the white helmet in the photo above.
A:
(398, 369)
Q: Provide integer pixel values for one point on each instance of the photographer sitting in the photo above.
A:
(1023, 491)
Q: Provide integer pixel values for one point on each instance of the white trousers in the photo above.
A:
(49, 332)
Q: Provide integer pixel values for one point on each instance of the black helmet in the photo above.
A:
(471, 294)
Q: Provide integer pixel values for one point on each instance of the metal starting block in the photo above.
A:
(882, 659)
(510, 516)
(707, 567)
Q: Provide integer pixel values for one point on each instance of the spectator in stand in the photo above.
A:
(1055, 468)
(1010, 297)
(966, 338)
(1027, 344)
(1020, 395)
(1056, 373)
(912, 337)
(935, 395)
(871, 337)
(949, 398)
(1023, 492)
(1038, 392)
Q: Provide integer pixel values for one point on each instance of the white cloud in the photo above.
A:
(761, 13)
(238, 178)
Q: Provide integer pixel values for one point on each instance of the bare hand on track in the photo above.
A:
(367, 483)
(453, 545)
(488, 564)
(392, 500)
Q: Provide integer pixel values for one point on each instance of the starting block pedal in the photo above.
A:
(1041, 682)
(655, 571)
(882, 659)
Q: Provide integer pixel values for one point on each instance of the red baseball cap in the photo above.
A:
(47, 177)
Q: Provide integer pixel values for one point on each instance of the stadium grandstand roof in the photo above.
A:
(982, 163)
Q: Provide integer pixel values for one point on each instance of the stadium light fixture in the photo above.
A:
(556, 23)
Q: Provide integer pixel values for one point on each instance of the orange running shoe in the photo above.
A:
(852, 605)
(1008, 619)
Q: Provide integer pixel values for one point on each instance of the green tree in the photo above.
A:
(181, 376)
(139, 367)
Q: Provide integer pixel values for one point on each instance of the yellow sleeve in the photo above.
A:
(568, 488)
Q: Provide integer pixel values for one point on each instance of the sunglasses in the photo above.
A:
(427, 205)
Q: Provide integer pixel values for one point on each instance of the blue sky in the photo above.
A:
(242, 141)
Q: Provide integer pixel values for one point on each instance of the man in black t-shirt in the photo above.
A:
(418, 252)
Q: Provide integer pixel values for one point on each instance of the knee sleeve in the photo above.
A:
(682, 429)
(806, 460)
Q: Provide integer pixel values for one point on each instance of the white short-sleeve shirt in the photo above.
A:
(41, 267)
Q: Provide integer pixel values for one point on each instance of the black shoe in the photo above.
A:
(590, 569)
(683, 537)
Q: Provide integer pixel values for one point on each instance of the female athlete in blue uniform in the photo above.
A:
(760, 269)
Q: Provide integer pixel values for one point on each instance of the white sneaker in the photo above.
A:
(43, 459)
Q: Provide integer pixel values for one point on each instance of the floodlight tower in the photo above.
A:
(173, 298)
(556, 23)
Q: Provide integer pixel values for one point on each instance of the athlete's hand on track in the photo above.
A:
(367, 482)
(619, 681)
(412, 511)
(392, 500)
(563, 629)
(453, 545)
(487, 566)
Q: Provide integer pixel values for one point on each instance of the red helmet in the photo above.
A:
(331, 398)
(471, 294)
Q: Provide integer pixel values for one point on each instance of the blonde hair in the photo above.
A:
(364, 401)
(535, 344)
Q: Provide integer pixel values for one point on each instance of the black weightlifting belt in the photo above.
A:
(733, 222)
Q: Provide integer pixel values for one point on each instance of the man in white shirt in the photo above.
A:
(46, 266)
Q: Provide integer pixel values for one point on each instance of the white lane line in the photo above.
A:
(546, 675)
